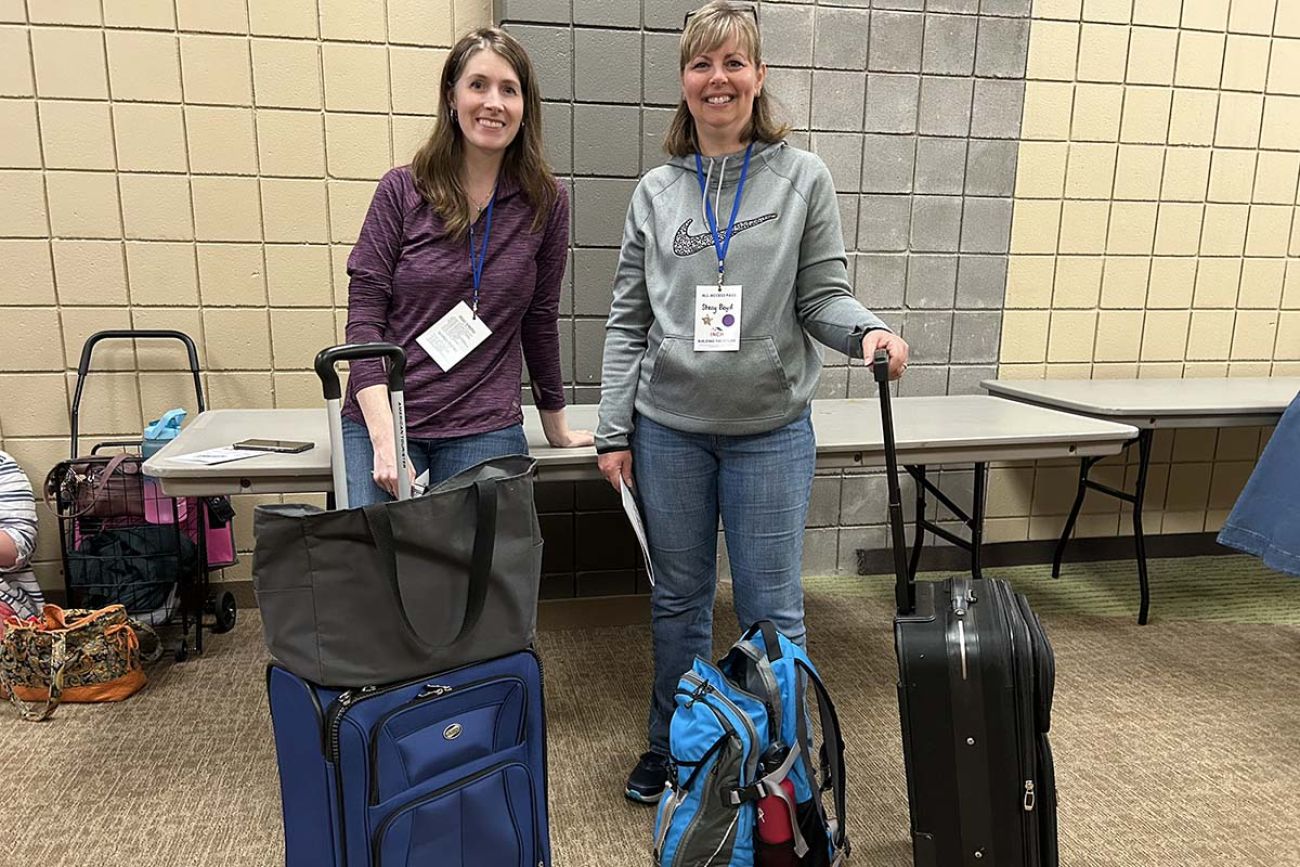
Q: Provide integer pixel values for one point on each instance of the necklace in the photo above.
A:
(479, 205)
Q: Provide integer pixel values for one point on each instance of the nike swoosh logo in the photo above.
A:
(685, 244)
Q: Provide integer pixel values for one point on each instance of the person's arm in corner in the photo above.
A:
(629, 322)
(824, 297)
(8, 551)
(539, 334)
(17, 516)
(370, 290)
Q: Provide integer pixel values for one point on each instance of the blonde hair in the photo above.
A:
(707, 28)
(436, 165)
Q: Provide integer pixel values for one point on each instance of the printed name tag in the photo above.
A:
(717, 318)
(453, 337)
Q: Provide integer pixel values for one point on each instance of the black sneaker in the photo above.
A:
(645, 784)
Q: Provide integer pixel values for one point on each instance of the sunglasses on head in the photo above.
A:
(751, 8)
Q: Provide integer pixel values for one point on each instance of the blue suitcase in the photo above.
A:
(449, 769)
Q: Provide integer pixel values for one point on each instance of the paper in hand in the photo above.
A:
(634, 517)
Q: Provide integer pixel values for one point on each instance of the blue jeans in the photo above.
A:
(1266, 518)
(443, 458)
(759, 485)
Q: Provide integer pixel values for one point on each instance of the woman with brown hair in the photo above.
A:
(711, 357)
(460, 262)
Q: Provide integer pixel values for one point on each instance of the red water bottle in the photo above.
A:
(774, 818)
(775, 846)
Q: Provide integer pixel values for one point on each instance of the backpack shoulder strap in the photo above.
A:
(832, 756)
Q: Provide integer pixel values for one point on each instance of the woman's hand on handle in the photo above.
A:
(891, 343)
(373, 400)
(615, 466)
(385, 469)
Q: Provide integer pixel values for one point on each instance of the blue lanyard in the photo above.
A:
(476, 258)
(722, 243)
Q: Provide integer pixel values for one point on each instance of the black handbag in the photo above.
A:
(399, 590)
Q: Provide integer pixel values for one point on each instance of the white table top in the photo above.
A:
(1150, 403)
(929, 430)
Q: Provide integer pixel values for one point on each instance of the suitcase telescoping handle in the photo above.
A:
(904, 587)
(329, 377)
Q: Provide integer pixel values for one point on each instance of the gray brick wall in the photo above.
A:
(914, 106)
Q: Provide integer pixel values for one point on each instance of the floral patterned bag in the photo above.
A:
(74, 655)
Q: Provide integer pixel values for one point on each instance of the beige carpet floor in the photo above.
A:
(1177, 744)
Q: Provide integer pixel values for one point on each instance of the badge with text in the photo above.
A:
(453, 337)
(717, 318)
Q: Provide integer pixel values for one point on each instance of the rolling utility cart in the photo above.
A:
(123, 541)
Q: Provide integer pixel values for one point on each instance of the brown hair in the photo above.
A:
(706, 28)
(436, 165)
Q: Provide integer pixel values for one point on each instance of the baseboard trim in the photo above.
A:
(949, 558)
(593, 611)
(635, 609)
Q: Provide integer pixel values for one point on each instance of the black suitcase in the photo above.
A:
(975, 681)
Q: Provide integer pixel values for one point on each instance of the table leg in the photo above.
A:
(976, 524)
(918, 475)
(1085, 466)
(974, 521)
(1144, 438)
(1139, 540)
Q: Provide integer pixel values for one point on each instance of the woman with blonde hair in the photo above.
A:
(460, 262)
(732, 269)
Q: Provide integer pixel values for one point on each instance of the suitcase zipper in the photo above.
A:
(1044, 667)
(377, 842)
(429, 693)
(334, 716)
(333, 721)
(1022, 658)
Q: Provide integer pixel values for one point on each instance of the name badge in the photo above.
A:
(453, 337)
(717, 318)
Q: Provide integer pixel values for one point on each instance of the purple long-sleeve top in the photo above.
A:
(407, 272)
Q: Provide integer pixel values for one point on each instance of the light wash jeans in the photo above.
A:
(759, 485)
(443, 458)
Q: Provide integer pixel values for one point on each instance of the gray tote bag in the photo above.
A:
(399, 590)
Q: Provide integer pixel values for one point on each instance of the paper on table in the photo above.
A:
(217, 456)
(634, 517)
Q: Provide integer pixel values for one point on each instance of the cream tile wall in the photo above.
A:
(1153, 232)
(191, 164)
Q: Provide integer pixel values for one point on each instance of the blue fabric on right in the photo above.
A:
(1266, 518)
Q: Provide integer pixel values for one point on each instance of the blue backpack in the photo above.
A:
(738, 732)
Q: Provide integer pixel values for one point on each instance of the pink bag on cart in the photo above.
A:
(214, 520)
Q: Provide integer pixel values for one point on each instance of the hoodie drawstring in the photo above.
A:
(717, 195)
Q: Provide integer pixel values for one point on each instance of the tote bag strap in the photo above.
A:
(58, 661)
(421, 593)
(80, 504)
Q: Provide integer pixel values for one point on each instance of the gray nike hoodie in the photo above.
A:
(787, 254)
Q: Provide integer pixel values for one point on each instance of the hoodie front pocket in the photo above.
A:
(749, 383)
